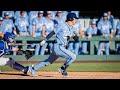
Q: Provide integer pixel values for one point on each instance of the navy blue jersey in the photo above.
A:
(4, 48)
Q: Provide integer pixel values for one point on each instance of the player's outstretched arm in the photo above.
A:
(47, 38)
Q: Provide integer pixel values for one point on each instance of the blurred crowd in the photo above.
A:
(41, 23)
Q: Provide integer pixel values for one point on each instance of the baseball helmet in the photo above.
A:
(8, 35)
(71, 16)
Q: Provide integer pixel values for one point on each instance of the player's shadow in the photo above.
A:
(45, 75)
(13, 74)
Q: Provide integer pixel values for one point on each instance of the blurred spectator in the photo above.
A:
(17, 14)
(91, 31)
(64, 14)
(11, 14)
(31, 16)
(104, 26)
(22, 24)
(111, 19)
(48, 27)
(117, 43)
(58, 17)
(8, 24)
(37, 26)
(1, 25)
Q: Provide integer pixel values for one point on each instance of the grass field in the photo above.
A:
(79, 67)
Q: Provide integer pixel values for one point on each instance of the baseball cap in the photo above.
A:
(71, 16)
(1, 19)
(93, 22)
(59, 11)
(6, 14)
(105, 14)
(40, 12)
(48, 12)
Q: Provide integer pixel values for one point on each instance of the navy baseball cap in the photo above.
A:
(40, 12)
(6, 14)
(71, 16)
(1, 19)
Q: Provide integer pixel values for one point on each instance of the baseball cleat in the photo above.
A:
(32, 71)
(26, 70)
(63, 72)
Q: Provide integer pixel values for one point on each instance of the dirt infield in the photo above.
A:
(57, 75)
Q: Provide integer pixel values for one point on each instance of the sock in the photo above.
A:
(64, 67)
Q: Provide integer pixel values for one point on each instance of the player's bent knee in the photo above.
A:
(73, 57)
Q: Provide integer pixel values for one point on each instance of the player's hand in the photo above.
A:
(89, 36)
(17, 35)
(27, 34)
(33, 35)
(111, 36)
(42, 42)
(117, 36)
(104, 36)
(14, 49)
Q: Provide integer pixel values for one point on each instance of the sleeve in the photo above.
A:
(118, 25)
(16, 23)
(33, 22)
(57, 28)
(99, 25)
(88, 31)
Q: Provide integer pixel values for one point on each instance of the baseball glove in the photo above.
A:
(28, 53)
(76, 38)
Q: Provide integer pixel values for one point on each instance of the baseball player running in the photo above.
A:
(63, 34)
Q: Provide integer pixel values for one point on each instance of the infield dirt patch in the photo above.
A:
(57, 75)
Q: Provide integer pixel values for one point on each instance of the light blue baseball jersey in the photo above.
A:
(64, 15)
(76, 28)
(22, 23)
(118, 28)
(91, 31)
(32, 15)
(1, 28)
(62, 33)
(111, 19)
(38, 23)
(11, 13)
(49, 25)
(104, 27)
(8, 25)
(59, 20)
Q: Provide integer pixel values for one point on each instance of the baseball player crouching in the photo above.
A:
(5, 48)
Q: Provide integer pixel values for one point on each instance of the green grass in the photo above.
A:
(78, 67)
